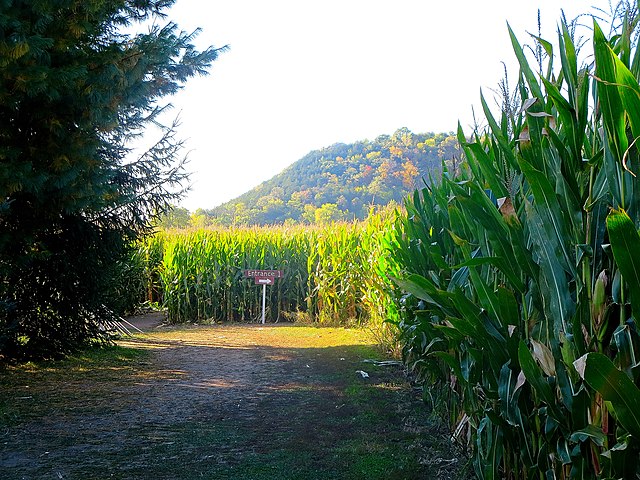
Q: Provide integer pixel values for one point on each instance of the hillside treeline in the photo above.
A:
(340, 182)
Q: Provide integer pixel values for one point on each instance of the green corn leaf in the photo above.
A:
(629, 94)
(459, 279)
(548, 207)
(625, 243)
(635, 64)
(489, 449)
(562, 449)
(567, 185)
(475, 262)
(591, 432)
(559, 305)
(488, 298)
(450, 333)
(627, 343)
(425, 289)
(464, 143)
(479, 160)
(608, 95)
(509, 310)
(568, 56)
(478, 320)
(615, 386)
(453, 362)
(509, 394)
(568, 118)
(436, 255)
(533, 374)
(529, 76)
(478, 206)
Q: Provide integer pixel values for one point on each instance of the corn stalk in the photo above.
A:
(332, 274)
(510, 275)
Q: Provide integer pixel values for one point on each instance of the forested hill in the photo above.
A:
(343, 181)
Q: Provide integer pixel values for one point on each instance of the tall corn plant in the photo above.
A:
(333, 274)
(202, 273)
(348, 273)
(337, 273)
(378, 291)
(517, 295)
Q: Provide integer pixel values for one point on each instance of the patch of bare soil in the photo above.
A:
(245, 402)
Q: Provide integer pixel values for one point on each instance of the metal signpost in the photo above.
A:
(264, 278)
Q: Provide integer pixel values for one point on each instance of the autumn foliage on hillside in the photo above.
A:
(343, 181)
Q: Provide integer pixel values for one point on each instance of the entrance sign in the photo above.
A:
(264, 278)
(263, 273)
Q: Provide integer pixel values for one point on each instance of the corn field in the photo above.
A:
(332, 275)
(514, 282)
(521, 277)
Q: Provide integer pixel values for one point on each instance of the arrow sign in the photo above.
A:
(264, 278)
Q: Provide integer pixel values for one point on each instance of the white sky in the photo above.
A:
(302, 75)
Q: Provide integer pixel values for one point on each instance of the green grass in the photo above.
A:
(24, 389)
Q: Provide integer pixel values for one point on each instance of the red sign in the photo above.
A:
(264, 274)
(264, 280)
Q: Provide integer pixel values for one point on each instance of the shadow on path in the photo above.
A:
(222, 402)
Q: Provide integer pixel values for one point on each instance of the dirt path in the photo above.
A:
(223, 402)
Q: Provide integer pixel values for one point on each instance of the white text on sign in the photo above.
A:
(263, 273)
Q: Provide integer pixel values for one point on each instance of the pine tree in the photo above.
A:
(76, 88)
